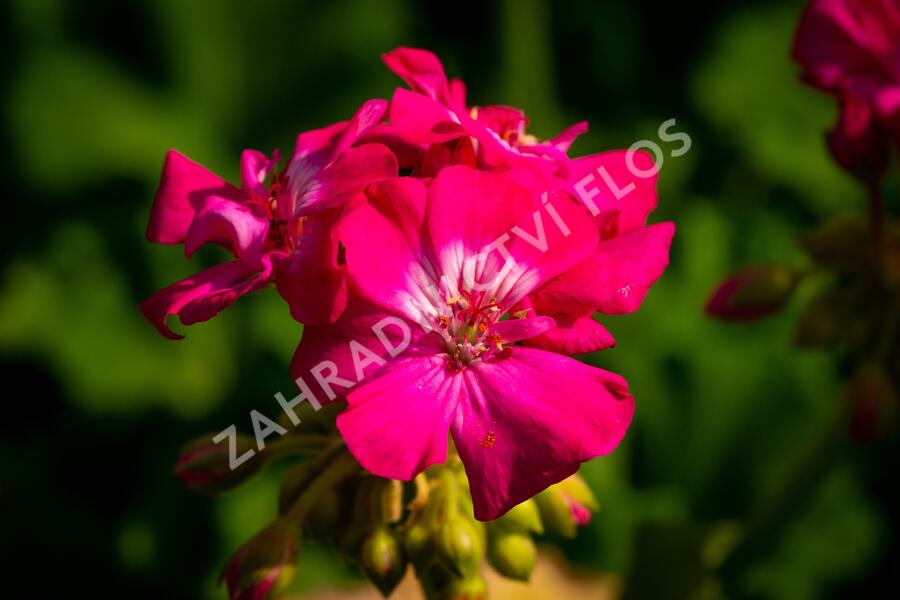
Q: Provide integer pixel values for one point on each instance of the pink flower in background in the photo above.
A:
(277, 225)
(453, 261)
(851, 48)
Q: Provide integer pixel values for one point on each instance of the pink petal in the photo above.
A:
(182, 189)
(564, 140)
(529, 421)
(255, 167)
(514, 330)
(230, 224)
(356, 346)
(573, 335)
(420, 120)
(605, 182)
(204, 295)
(391, 222)
(396, 425)
(420, 70)
(616, 277)
(471, 212)
(311, 280)
(345, 177)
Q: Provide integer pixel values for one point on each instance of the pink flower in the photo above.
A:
(277, 225)
(851, 48)
(451, 260)
(433, 114)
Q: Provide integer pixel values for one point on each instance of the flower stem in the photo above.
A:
(337, 465)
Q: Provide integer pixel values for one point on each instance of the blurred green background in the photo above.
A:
(97, 403)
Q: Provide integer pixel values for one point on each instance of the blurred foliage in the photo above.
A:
(94, 93)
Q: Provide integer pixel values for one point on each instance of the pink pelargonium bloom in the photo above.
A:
(433, 113)
(453, 259)
(278, 225)
(851, 48)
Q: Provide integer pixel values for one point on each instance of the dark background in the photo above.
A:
(97, 403)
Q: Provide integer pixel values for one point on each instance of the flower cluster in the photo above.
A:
(480, 242)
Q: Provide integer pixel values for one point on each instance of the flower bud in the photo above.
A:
(263, 566)
(204, 466)
(437, 585)
(460, 546)
(523, 517)
(383, 560)
(752, 293)
(566, 506)
(511, 553)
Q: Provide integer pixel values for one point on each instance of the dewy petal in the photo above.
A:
(229, 223)
(182, 189)
(421, 70)
(421, 120)
(311, 280)
(204, 295)
(396, 424)
(616, 277)
(486, 229)
(529, 420)
(605, 182)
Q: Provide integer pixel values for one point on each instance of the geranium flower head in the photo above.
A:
(454, 258)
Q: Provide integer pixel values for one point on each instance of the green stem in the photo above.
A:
(337, 465)
(291, 445)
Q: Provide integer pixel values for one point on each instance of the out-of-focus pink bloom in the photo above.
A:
(851, 48)
(521, 418)
(277, 225)
(433, 113)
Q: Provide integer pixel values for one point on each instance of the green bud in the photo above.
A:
(460, 546)
(842, 244)
(383, 560)
(439, 585)
(566, 506)
(419, 543)
(204, 466)
(522, 517)
(512, 554)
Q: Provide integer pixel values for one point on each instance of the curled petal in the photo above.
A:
(202, 296)
(183, 187)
